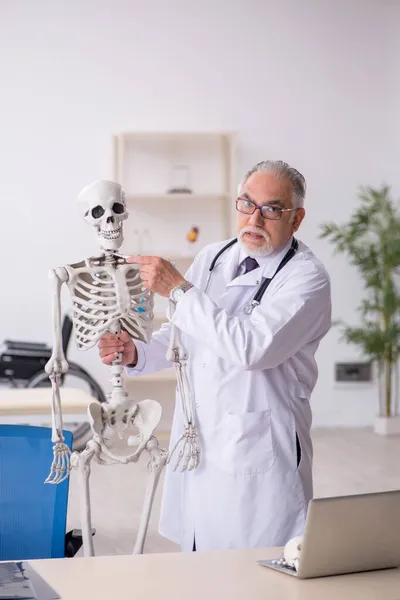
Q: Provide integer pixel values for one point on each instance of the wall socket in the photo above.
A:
(353, 371)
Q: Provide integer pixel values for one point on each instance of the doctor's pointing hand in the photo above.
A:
(251, 313)
(158, 274)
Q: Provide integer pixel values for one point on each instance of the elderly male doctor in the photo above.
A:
(251, 373)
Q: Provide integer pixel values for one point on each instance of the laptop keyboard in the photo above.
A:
(281, 562)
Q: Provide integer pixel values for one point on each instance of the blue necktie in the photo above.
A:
(250, 264)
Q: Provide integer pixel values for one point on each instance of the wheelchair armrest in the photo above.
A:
(73, 542)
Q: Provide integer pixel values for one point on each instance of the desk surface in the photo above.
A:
(230, 575)
(32, 401)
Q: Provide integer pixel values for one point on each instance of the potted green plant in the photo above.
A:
(371, 239)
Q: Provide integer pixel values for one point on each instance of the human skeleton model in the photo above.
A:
(108, 296)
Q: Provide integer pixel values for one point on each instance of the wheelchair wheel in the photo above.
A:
(81, 431)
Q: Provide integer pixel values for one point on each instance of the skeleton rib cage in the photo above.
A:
(102, 295)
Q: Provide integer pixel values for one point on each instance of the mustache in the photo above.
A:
(256, 231)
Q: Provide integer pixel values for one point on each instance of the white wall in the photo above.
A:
(307, 81)
(394, 96)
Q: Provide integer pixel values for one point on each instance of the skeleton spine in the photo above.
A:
(117, 393)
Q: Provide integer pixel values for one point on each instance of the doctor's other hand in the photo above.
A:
(110, 345)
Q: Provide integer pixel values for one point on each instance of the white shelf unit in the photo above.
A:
(159, 221)
(173, 196)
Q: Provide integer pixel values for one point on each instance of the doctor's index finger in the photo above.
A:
(143, 260)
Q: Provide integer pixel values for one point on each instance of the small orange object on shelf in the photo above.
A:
(193, 234)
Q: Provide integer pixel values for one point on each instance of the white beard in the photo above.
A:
(264, 250)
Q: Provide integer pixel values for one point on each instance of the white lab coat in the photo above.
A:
(252, 377)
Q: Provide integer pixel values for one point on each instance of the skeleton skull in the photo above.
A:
(292, 552)
(105, 210)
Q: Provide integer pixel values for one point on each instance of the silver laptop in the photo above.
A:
(348, 534)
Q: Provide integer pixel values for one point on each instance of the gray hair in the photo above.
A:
(282, 169)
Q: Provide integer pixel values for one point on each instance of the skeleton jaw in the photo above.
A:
(111, 235)
(110, 239)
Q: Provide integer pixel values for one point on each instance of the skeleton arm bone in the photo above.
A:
(156, 355)
(57, 362)
(56, 366)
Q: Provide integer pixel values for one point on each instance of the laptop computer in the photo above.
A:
(348, 534)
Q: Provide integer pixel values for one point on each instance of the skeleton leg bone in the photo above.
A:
(156, 465)
(82, 461)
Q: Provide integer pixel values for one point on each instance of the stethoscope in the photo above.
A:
(250, 306)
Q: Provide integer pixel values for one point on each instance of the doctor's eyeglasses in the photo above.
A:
(268, 211)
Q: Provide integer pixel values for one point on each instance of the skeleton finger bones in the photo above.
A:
(61, 465)
(189, 454)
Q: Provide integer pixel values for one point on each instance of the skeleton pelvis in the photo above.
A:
(125, 427)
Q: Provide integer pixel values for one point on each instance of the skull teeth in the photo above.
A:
(110, 235)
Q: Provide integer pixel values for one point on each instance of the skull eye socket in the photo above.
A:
(97, 212)
(118, 208)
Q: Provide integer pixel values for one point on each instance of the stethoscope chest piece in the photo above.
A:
(250, 306)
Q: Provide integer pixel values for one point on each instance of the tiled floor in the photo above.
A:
(346, 461)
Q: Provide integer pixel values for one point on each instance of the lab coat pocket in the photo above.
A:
(246, 443)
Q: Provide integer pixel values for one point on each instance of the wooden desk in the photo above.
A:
(228, 575)
(17, 402)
